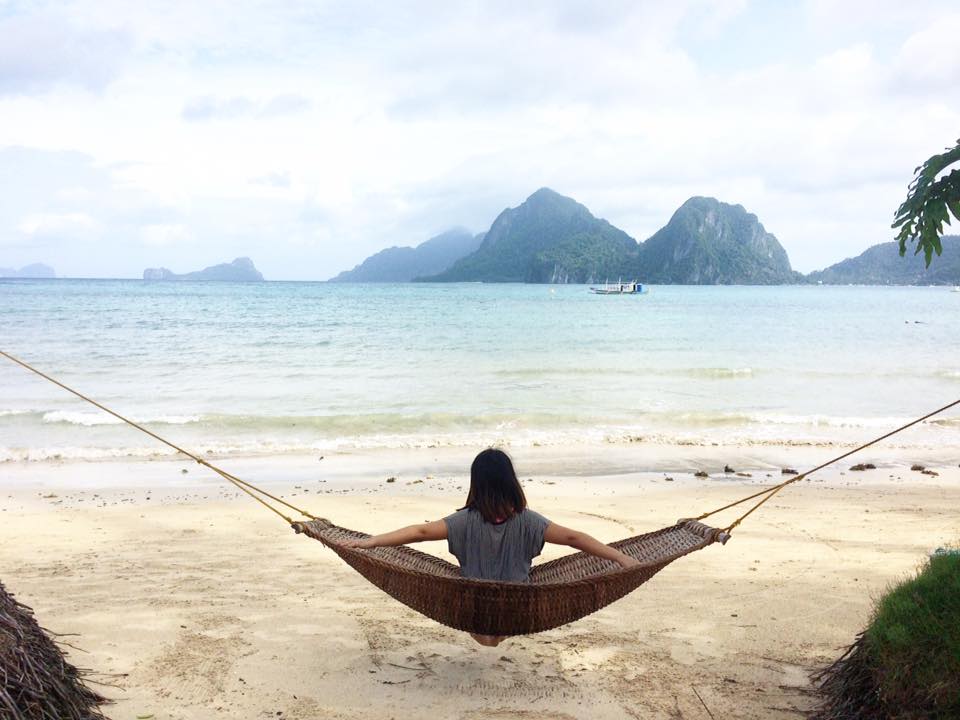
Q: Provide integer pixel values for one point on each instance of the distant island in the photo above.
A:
(882, 265)
(551, 238)
(35, 270)
(403, 264)
(240, 270)
(548, 239)
(708, 242)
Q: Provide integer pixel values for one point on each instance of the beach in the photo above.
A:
(194, 602)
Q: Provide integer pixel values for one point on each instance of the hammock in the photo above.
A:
(559, 591)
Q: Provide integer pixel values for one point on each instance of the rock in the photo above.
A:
(701, 474)
(788, 471)
(864, 466)
(932, 473)
(391, 479)
(744, 474)
(917, 468)
(728, 469)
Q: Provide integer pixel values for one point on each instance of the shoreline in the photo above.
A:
(367, 468)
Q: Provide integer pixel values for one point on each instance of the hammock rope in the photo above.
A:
(247, 487)
(771, 491)
(559, 592)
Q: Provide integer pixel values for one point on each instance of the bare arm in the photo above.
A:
(560, 535)
(436, 530)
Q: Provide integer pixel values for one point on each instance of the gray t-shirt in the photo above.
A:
(495, 552)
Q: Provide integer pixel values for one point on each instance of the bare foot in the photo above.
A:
(488, 640)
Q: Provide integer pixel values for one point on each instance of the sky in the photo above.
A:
(309, 135)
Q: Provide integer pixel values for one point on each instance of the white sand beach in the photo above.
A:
(196, 603)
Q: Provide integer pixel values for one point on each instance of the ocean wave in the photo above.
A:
(9, 413)
(427, 423)
(718, 373)
(839, 432)
(828, 421)
(506, 438)
(90, 419)
(724, 419)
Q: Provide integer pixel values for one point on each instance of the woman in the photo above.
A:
(495, 536)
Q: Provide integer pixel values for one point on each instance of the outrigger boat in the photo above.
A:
(619, 288)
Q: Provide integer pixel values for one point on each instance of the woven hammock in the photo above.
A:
(559, 591)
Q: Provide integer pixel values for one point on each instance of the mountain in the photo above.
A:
(240, 270)
(403, 264)
(36, 270)
(547, 239)
(882, 265)
(708, 242)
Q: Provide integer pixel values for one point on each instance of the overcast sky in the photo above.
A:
(308, 135)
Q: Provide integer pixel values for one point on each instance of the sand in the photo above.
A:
(196, 603)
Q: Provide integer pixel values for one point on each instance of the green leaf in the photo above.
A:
(954, 206)
(929, 204)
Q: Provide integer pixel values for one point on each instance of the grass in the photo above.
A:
(906, 664)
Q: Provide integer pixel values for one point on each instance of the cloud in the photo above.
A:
(165, 235)
(289, 104)
(57, 224)
(310, 135)
(930, 58)
(275, 180)
(209, 107)
(39, 52)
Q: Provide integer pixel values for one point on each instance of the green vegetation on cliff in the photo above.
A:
(882, 265)
(708, 242)
(549, 238)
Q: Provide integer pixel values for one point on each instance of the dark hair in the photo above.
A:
(495, 491)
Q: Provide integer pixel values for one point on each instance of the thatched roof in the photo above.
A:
(36, 681)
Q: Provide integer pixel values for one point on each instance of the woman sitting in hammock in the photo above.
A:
(495, 535)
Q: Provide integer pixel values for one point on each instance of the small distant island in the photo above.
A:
(240, 270)
(37, 271)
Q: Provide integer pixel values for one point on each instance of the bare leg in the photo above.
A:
(488, 640)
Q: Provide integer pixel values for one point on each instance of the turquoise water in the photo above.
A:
(290, 367)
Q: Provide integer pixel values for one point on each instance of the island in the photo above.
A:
(240, 270)
(36, 271)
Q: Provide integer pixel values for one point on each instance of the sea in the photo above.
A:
(272, 368)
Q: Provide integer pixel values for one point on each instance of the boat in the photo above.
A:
(620, 288)
(956, 288)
